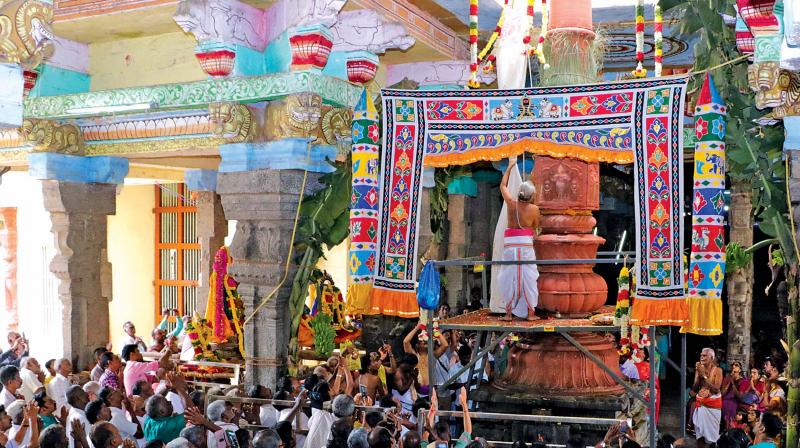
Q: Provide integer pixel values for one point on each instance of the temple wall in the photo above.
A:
(151, 60)
(38, 305)
(131, 251)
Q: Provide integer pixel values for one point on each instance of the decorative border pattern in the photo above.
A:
(200, 94)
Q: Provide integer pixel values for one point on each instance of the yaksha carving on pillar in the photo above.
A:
(336, 123)
(51, 136)
(297, 115)
(233, 122)
(26, 37)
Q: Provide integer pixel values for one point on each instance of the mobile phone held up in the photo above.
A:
(362, 389)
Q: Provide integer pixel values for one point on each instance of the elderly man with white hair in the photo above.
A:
(31, 373)
(57, 387)
(708, 412)
(221, 414)
(24, 423)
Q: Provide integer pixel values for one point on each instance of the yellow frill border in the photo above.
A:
(705, 317)
(394, 303)
(665, 312)
(358, 298)
(535, 147)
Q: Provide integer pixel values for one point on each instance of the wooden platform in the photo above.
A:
(485, 320)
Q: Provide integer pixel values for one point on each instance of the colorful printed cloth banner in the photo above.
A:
(639, 121)
(707, 262)
(363, 206)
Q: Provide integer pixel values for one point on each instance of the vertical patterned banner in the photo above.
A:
(659, 296)
(363, 206)
(707, 263)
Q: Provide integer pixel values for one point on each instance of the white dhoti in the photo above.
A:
(518, 283)
(707, 417)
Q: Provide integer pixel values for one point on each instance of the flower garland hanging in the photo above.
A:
(473, 45)
(658, 38)
(640, 71)
(622, 311)
(498, 30)
(539, 51)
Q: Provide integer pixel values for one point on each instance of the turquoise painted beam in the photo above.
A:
(287, 154)
(54, 81)
(196, 94)
(200, 180)
(91, 170)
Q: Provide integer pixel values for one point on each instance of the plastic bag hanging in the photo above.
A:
(429, 287)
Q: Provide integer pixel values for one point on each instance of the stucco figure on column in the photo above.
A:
(27, 35)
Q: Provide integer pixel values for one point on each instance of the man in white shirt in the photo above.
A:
(319, 425)
(9, 378)
(31, 374)
(128, 426)
(19, 423)
(130, 337)
(221, 414)
(57, 387)
(77, 400)
(294, 414)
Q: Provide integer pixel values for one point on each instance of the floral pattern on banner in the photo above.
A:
(639, 121)
(707, 261)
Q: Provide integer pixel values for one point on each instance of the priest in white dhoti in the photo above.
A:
(518, 282)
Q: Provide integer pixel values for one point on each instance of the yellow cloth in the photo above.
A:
(382, 374)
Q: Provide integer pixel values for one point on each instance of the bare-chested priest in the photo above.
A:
(518, 283)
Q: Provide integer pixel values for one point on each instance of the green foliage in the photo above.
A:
(322, 324)
(754, 153)
(736, 257)
(324, 223)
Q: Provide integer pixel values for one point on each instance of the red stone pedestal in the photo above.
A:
(551, 366)
(567, 191)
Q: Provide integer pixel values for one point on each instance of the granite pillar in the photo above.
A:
(458, 217)
(80, 194)
(81, 261)
(212, 226)
(260, 187)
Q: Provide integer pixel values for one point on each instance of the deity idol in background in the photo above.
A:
(224, 310)
(519, 282)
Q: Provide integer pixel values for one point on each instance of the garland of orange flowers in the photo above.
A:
(640, 71)
(473, 45)
(658, 38)
(498, 30)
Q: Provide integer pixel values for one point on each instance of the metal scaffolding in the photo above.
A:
(506, 329)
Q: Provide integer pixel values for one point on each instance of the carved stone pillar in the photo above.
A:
(264, 202)
(457, 247)
(740, 285)
(8, 252)
(80, 193)
(79, 214)
(211, 225)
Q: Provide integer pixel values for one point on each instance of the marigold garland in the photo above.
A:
(622, 311)
(658, 38)
(473, 44)
(640, 71)
(498, 30)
